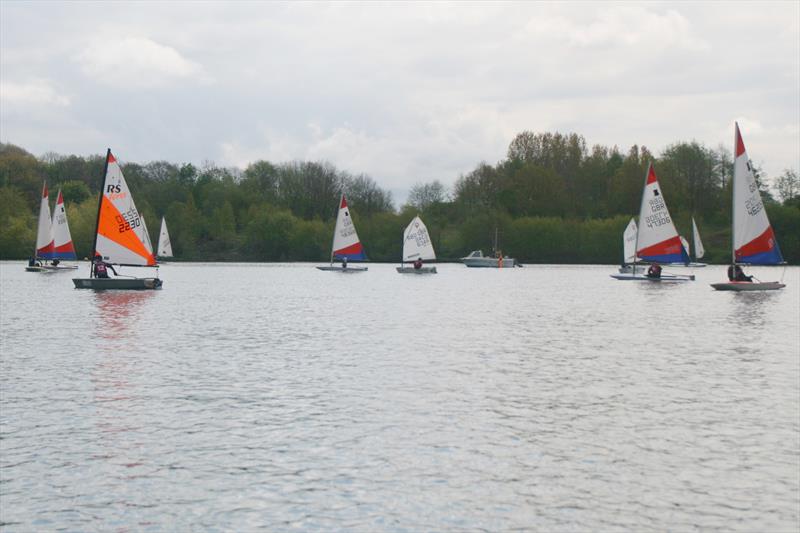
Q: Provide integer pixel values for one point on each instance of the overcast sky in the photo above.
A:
(406, 93)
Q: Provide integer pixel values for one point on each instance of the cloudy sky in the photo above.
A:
(406, 92)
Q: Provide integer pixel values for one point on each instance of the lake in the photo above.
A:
(279, 397)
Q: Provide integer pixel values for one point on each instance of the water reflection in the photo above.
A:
(118, 312)
(749, 308)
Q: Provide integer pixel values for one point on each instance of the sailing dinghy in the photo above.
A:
(346, 245)
(629, 249)
(657, 241)
(754, 241)
(164, 245)
(120, 237)
(417, 245)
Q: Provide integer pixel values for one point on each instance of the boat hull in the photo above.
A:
(50, 268)
(688, 265)
(744, 286)
(663, 278)
(128, 284)
(412, 270)
(348, 270)
(489, 262)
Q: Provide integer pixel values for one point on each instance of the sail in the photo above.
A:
(148, 244)
(699, 251)
(164, 246)
(658, 240)
(753, 239)
(629, 242)
(120, 232)
(416, 242)
(685, 244)
(345, 239)
(62, 240)
(44, 235)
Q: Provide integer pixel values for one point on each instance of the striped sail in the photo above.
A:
(416, 242)
(120, 231)
(753, 239)
(345, 239)
(657, 240)
(62, 240)
(44, 235)
(164, 246)
(629, 242)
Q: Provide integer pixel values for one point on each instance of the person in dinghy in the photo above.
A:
(101, 268)
(735, 273)
(654, 271)
(418, 264)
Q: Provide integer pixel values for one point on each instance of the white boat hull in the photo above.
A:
(743, 286)
(688, 265)
(50, 268)
(412, 270)
(663, 278)
(344, 270)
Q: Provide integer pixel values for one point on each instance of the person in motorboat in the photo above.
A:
(418, 264)
(101, 268)
(654, 271)
(735, 273)
(344, 262)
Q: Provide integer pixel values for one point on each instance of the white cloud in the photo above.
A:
(136, 62)
(38, 93)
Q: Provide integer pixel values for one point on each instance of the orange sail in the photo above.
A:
(120, 229)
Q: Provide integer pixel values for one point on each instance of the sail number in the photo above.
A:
(753, 205)
(659, 216)
(128, 220)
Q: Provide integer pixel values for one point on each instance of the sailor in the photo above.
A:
(735, 273)
(418, 263)
(101, 267)
(344, 262)
(654, 271)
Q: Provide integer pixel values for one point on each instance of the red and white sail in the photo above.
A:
(63, 247)
(657, 239)
(346, 244)
(44, 233)
(753, 239)
(120, 231)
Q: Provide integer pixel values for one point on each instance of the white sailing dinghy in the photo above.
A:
(657, 241)
(119, 235)
(164, 245)
(629, 249)
(753, 239)
(699, 251)
(417, 245)
(346, 245)
(45, 245)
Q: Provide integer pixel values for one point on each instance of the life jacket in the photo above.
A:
(100, 269)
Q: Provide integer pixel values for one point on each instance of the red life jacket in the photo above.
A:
(100, 268)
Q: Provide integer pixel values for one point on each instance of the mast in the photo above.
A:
(733, 196)
(97, 221)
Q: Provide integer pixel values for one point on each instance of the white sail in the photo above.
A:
(120, 232)
(147, 242)
(346, 244)
(62, 239)
(44, 234)
(164, 246)
(699, 251)
(417, 242)
(629, 242)
(753, 238)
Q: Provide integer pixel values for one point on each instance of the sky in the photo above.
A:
(407, 92)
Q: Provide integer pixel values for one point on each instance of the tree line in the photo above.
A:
(551, 200)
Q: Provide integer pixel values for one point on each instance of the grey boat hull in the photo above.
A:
(348, 270)
(128, 284)
(412, 270)
(663, 278)
(744, 286)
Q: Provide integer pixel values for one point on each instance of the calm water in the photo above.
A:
(279, 397)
